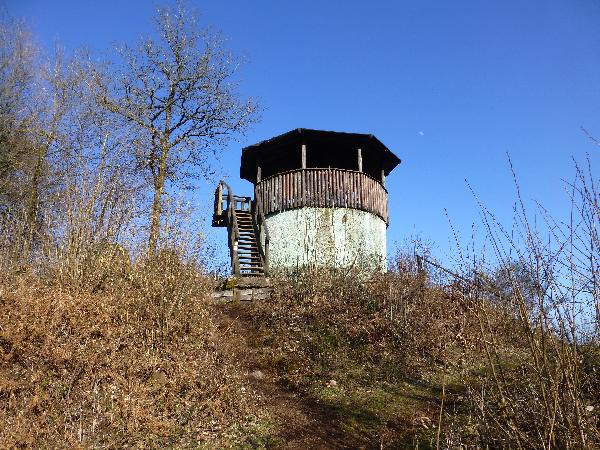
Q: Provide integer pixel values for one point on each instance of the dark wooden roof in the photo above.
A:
(284, 151)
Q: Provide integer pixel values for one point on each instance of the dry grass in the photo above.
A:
(387, 340)
(485, 376)
(399, 322)
(136, 365)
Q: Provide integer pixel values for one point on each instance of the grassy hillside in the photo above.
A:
(135, 364)
(398, 361)
(332, 360)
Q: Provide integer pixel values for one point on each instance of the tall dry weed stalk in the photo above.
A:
(541, 391)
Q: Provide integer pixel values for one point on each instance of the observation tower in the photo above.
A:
(319, 200)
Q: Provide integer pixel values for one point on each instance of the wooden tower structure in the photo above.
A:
(319, 199)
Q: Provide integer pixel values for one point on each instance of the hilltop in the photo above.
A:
(329, 360)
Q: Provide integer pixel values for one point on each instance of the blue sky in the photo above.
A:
(450, 87)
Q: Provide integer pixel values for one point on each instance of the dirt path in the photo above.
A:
(304, 423)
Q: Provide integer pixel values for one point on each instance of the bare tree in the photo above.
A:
(17, 73)
(180, 92)
(34, 101)
(54, 103)
(95, 197)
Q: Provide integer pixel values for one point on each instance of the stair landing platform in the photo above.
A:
(243, 289)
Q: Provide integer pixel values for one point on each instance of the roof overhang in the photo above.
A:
(294, 139)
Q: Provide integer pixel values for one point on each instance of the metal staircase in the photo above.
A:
(247, 232)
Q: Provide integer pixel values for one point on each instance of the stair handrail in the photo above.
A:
(232, 227)
(263, 232)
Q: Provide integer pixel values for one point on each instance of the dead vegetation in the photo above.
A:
(132, 365)
(402, 360)
(374, 349)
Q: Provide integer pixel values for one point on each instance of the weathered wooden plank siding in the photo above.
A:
(323, 188)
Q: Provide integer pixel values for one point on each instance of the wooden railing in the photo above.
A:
(227, 205)
(262, 231)
(322, 188)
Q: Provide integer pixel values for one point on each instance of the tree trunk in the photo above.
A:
(33, 203)
(155, 220)
(159, 188)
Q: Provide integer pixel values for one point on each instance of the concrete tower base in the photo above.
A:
(333, 237)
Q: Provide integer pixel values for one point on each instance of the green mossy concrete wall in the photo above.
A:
(335, 237)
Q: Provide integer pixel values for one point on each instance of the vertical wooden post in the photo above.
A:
(258, 174)
(360, 160)
(383, 177)
(219, 201)
(303, 156)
